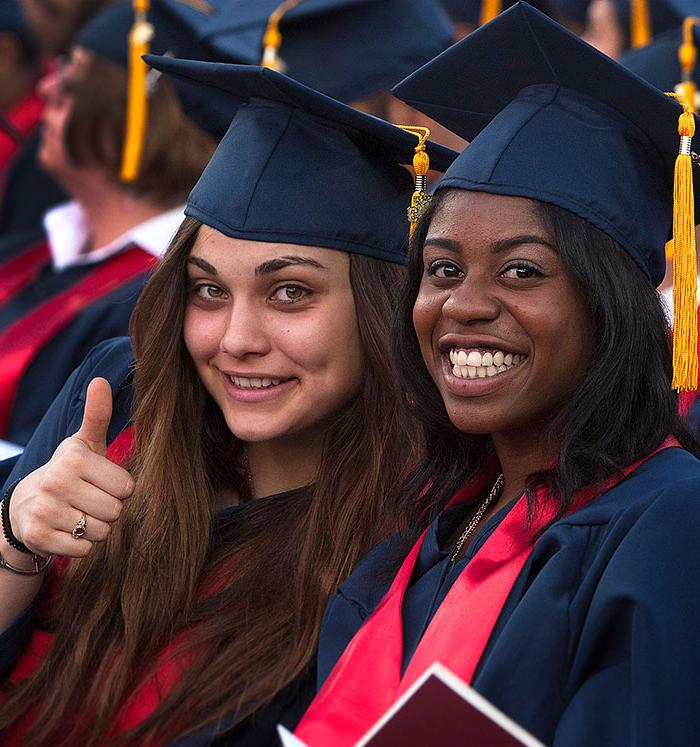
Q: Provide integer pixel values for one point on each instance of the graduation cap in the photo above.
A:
(126, 30)
(649, 18)
(11, 16)
(563, 123)
(478, 12)
(669, 62)
(573, 10)
(348, 49)
(299, 167)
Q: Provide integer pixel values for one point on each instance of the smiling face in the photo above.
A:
(500, 324)
(273, 334)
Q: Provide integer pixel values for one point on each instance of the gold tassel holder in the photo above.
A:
(421, 165)
(685, 304)
(687, 57)
(489, 10)
(272, 39)
(140, 38)
(640, 23)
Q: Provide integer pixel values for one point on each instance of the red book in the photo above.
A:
(440, 709)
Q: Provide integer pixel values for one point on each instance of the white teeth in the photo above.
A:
(479, 365)
(255, 383)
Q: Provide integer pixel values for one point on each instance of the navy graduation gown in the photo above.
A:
(105, 317)
(599, 641)
(114, 361)
(29, 191)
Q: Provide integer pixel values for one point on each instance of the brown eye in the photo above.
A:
(521, 271)
(209, 292)
(444, 269)
(290, 293)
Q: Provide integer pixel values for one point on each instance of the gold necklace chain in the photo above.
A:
(494, 493)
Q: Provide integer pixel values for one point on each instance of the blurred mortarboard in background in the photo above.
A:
(299, 167)
(107, 36)
(11, 16)
(562, 123)
(572, 10)
(348, 49)
(478, 12)
(659, 62)
(646, 19)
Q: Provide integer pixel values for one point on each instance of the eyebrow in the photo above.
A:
(202, 264)
(273, 265)
(454, 246)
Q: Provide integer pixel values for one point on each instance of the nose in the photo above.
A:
(245, 334)
(473, 301)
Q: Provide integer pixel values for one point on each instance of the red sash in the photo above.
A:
(367, 679)
(21, 341)
(23, 118)
(21, 270)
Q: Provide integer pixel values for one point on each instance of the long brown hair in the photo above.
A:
(251, 595)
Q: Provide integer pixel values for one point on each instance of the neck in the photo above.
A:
(520, 454)
(111, 212)
(300, 458)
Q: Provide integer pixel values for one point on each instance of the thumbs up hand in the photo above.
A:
(71, 502)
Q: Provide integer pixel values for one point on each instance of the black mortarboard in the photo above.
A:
(562, 123)
(299, 167)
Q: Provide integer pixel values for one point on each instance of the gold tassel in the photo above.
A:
(421, 165)
(272, 39)
(687, 57)
(489, 10)
(640, 23)
(137, 95)
(685, 305)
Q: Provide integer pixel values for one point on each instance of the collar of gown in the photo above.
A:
(67, 231)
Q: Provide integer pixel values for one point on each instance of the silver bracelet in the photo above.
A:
(40, 565)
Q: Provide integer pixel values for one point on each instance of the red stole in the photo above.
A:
(23, 118)
(21, 270)
(21, 341)
(367, 679)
